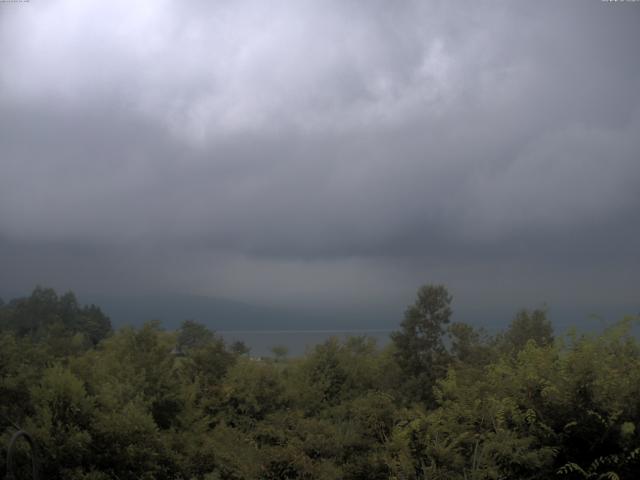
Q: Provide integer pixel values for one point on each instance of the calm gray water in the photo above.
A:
(296, 341)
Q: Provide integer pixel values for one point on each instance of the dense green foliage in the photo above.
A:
(45, 316)
(442, 401)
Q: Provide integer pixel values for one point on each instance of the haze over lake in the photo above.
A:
(323, 156)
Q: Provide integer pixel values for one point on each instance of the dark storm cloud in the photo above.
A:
(328, 150)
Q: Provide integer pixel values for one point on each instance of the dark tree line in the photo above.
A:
(442, 401)
(44, 314)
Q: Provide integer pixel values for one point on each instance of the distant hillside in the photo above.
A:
(222, 314)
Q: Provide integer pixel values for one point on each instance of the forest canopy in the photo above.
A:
(443, 400)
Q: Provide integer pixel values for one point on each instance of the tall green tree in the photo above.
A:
(420, 349)
(527, 326)
(192, 335)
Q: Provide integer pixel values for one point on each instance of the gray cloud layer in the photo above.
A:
(339, 152)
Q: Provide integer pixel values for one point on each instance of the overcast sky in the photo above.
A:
(322, 152)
